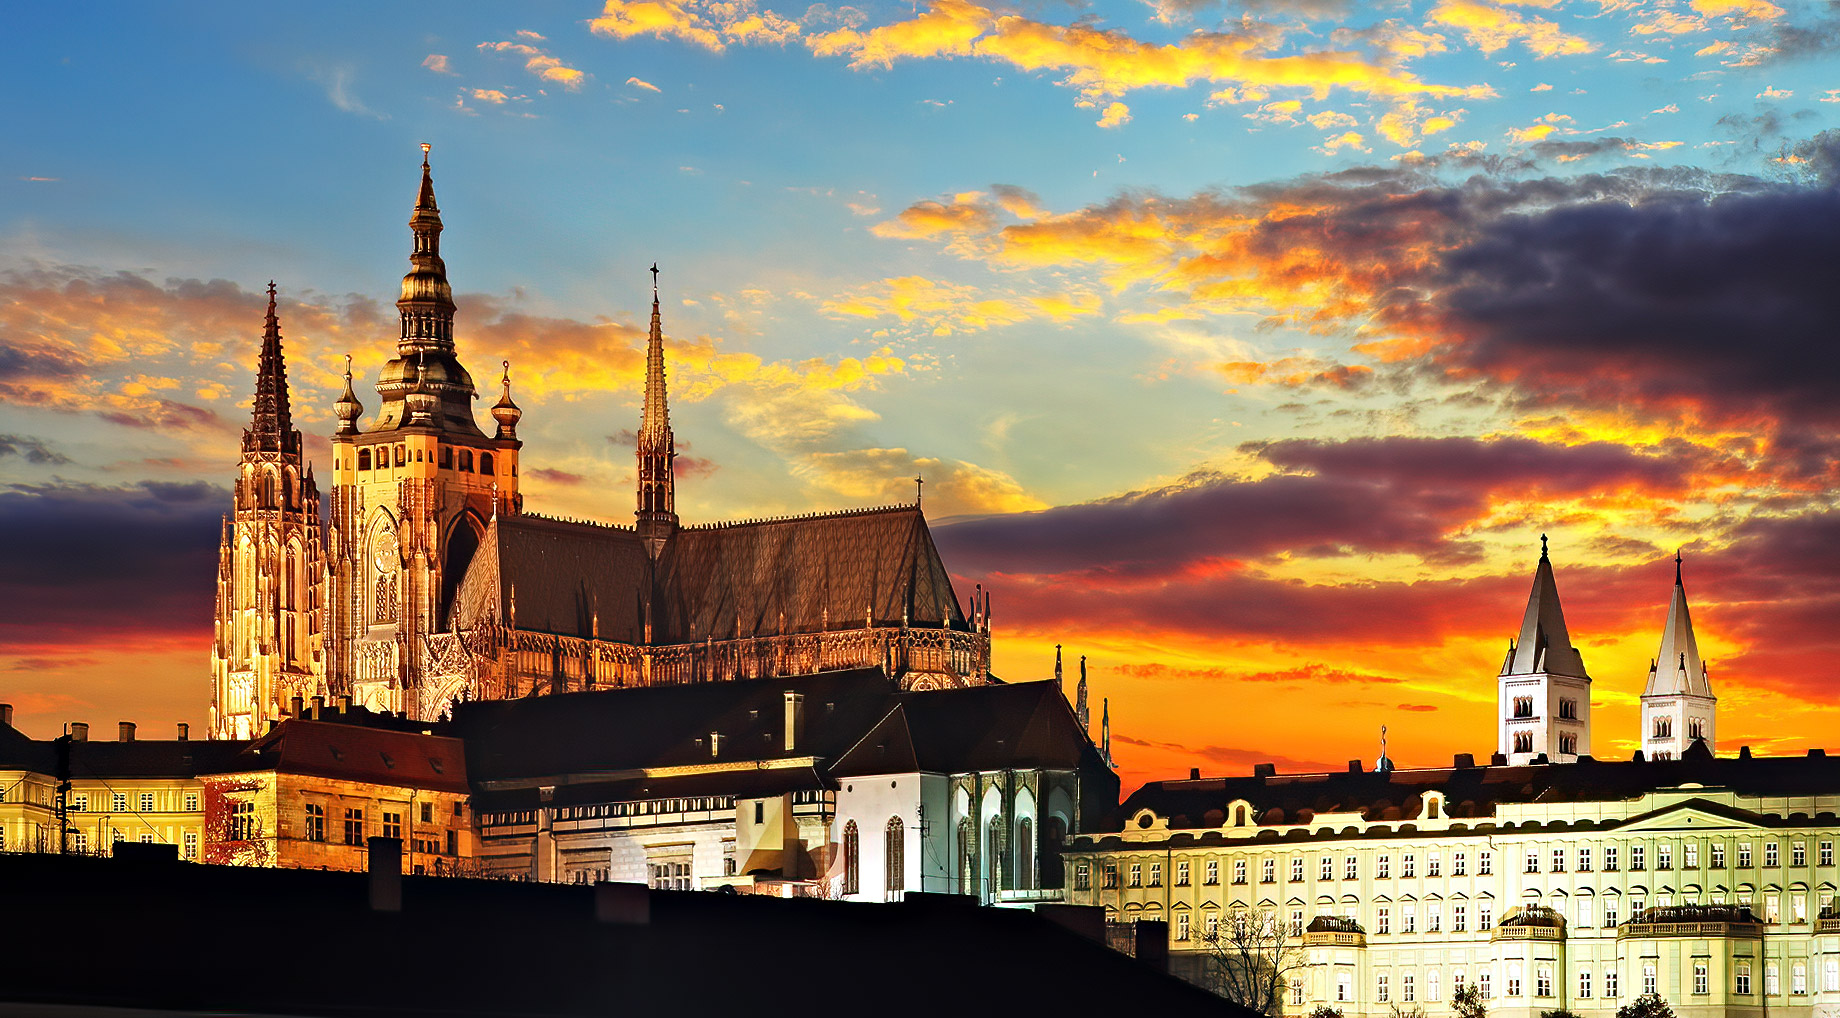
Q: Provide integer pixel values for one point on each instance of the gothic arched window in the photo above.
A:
(995, 851)
(447, 457)
(485, 462)
(466, 460)
(852, 858)
(894, 857)
(967, 857)
(1025, 854)
(364, 459)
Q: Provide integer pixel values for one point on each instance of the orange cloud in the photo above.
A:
(540, 63)
(1490, 27)
(946, 308)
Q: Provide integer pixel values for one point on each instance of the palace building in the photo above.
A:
(1546, 878)
(433, 585)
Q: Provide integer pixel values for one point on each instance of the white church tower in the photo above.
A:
(1544, 694)
(1677, 706)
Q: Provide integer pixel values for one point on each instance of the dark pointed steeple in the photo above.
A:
(1544, 644)
(427, 302)
(657, 509)
(271, 427)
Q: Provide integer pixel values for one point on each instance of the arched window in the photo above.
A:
(268, 489)
(1053, 833)
(852, 858)
(485, 462)
(447, 457)
(1025, 854)
(894, 857)
(466, 460)
(364, 459)
(995, 852)
(967, 857)
(402, 455)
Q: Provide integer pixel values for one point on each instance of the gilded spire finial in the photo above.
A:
(919, 487)
(1542, 545)
(348, 370)
(654, 282)
(1676, 567)
(425, 148)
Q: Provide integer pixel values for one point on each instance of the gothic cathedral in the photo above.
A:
(411, 601)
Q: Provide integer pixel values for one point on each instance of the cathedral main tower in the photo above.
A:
(413, 491)
(267, 646)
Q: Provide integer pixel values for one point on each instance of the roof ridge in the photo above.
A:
(545, 518)
(819, 514)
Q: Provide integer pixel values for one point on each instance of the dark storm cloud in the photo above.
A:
(32, 450)
(1361, 495)
(1724, 307)
(87, 563)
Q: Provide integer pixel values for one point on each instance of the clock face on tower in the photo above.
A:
(385, 552)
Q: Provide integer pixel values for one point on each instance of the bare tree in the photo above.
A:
(1253, 954)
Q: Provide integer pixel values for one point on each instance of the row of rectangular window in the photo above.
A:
(118, 802)
(1638, 861)
(1543, 981)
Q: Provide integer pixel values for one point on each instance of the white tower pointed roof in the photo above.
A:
(1677, 669)
(1544, 645)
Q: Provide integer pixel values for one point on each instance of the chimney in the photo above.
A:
(79, 731)
(319, 704)
(127, 731)
(300, 706)
(795, 719)
(6, 714)
(1265, 770)
(1464, 760)
(344, 702)
(1354, 766)
(185, 732)
(1744, 752)
(1150, 943)
(1498, 760)
(385, 865)
(715, 744)
(1194, 774)
(625, 904)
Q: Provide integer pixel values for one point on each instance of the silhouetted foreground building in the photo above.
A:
(120, 936)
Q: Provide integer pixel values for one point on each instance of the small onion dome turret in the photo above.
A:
(505, 412)
(348, 409)
(421, 400)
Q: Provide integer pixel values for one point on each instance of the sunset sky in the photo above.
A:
(1246, 348)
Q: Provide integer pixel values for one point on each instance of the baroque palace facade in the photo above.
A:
(1545, 878)
(432, 585)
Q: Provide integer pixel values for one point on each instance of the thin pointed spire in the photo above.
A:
(1678, 668)
(1544, 644)
(271, 425)
(656, 447)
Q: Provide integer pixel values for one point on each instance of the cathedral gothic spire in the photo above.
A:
(268, 644)
(271, 428)
(657, 508)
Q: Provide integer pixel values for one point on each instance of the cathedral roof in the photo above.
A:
(1677, 668)
(566, 577)
(830, 571)
(1024, 724)
(1544, 646)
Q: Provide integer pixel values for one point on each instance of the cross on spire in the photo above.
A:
(919, 487)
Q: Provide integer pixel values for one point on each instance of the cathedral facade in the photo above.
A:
(429, 584)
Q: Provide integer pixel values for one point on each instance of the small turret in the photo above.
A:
(348, 409)
(505, 412)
